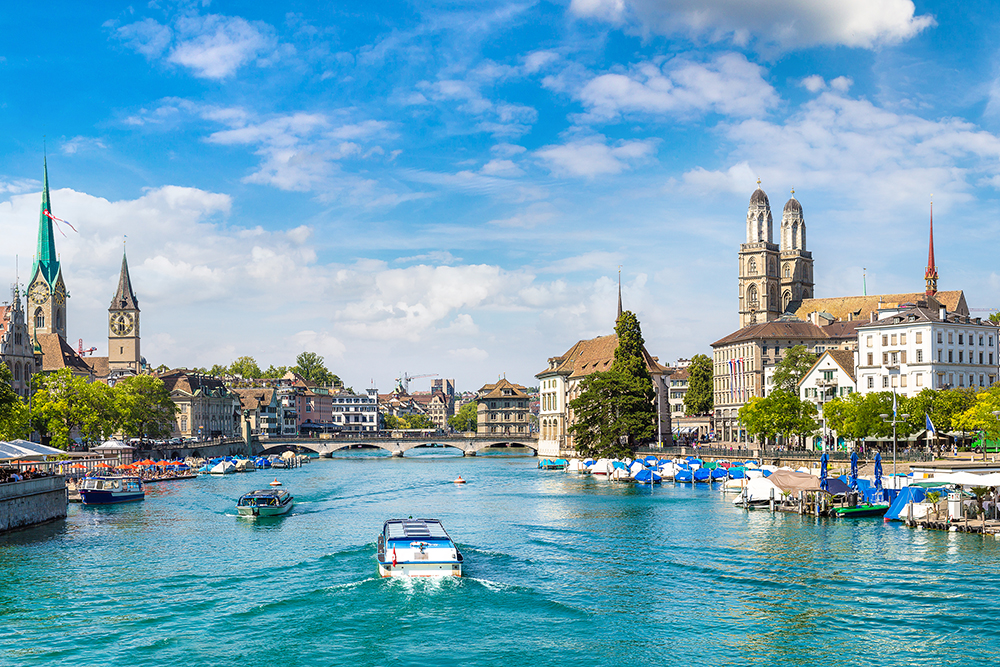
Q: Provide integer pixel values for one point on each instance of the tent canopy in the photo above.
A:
(20, 449)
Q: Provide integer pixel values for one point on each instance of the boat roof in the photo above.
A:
(263, 492)
(414, 529)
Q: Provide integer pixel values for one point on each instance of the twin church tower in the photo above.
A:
(46, 307)
(773, 279)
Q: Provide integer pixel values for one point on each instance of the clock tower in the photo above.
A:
(123, 326)
(46, 290)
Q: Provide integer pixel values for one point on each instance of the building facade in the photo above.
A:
(357, 413)
(912, 348)
(503, 410)
(832, 376)
(206, 407)
(16, 349)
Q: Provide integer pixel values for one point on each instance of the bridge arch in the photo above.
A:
(504, 444)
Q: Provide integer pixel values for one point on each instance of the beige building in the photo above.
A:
(16, 349)
(206, 407)
(559, 384)
(503, 410)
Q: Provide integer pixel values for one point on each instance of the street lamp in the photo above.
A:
(894, 421)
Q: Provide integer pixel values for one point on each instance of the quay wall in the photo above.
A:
(32, 501)
(231, 447)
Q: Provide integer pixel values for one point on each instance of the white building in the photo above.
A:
(913, 348)
(356, 412)
(832, 376)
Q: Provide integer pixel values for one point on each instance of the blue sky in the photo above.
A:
(450, 188)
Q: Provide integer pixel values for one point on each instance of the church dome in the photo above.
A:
(793, 205)
(758, 198)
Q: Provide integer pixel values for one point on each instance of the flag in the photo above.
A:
(928, 424)
(893, 404)
(394, 556)
(53, 218)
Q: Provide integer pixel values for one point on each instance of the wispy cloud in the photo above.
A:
(595, 157)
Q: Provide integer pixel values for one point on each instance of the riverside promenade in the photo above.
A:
(30, 502)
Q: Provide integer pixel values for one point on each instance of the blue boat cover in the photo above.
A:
(702, 475)
(645, 476)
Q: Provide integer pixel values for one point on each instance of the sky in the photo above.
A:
(451, 188)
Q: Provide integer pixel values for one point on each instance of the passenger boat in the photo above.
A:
(861, 511)
(265, 502)
(111, 489)
(417, 548)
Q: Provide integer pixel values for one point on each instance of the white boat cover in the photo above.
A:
(602, 467)
(758, 489)
(968, 479)
(619, 474)
(636, 467)
(576, 465)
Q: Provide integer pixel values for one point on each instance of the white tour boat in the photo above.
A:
(107, 490)
(265, 502)
(417, 548)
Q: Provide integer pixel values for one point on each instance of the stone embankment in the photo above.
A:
(32, 501)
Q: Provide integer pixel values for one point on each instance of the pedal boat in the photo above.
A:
(417, 548)
(111, 489)
(265, 502)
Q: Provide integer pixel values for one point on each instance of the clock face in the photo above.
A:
(121, 324)
(59, 296)
(39, 293)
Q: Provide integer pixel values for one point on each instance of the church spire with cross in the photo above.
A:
(46, 259)
(930, 273)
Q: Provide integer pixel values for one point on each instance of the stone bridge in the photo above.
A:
(399, 446)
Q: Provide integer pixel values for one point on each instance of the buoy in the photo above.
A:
(459, 480)
(275, 482)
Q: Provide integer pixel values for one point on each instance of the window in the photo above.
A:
(885, 380)
(919, 337)
(885, 340)
(940, 340)
(885, 358)
(902, 380)
(950, 338)
(39, 319)
(920, 356)
(950, 356)
(869, 341)
(961, 354)
(894, 357)
(961, 380)
(893, 339)
(939, 355)
(902, 339)
(980, 340)
(870, 360)
(827, 375)
(920, 379)
(871, 382)
(959, 339)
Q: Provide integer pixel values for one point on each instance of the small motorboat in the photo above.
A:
(702, 474)
(223, 468)
(417, 548)
(683, 475)
(107, 490)
(265, 502)
(861, 511)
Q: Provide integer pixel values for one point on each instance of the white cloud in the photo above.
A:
(813, 83)
(729, 84)
(594, 157)
(535, 215)
(499, 167)
(469, 354)
(785, 23)
(212, 46)
(842, 83)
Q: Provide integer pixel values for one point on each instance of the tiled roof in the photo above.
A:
(780, 329)
(843, 330)
(57, 354)
(844, 359)
(99, 365)
(681, 373)
(252, 398)
(921, 315)
(191, 383)
(861, 307)
(595, 354)
(496, 390)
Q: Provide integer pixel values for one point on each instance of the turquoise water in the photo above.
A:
(560, 569)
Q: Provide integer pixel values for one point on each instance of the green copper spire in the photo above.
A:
(46, 259)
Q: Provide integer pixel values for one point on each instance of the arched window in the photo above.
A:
(786, 299)
(752, 266)
(788, 271)
(752, 297)
(39, 319)
(17, 372)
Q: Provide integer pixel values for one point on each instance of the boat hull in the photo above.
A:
(94, 497)
(860, 512)
(265, 511)
(420, 569)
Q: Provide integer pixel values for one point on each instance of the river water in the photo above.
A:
(560, 569)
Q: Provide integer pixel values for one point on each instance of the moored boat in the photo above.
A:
(861, 511)
(223, 468)
(265, 502)
(108, 490)
(417, 548)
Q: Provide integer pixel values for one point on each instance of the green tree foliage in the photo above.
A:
(246, 368)
(13, 411)
(995, 318)
(145, 407)
(615, 411)
(418, 421)
(979, 417)
(61, 404)
(217, 371)
(698, 399)
(310, 366)
(466, 419)
(792, 368)
(275, 372)
(779, 413)
(390, 422)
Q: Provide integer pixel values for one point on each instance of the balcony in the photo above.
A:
(820, 382)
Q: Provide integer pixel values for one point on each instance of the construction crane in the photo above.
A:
(80, 351)
(403, 382)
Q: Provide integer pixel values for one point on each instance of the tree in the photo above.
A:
(65, 402)
(145, 406)
(995, 317)
(217, 371)
(467, 417)
(698, 399)
(418, 421)
(310, 366)
(615, 411)
(246, 368)
(779, 413)
(790, 370)
(274, 372)
(13, 411)
(390, 422)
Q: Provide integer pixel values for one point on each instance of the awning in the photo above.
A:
(19, 449)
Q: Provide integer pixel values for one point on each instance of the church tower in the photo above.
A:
(759, 296)
(46, 290)
(123, 326)
(796, 261)
(930, 273)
